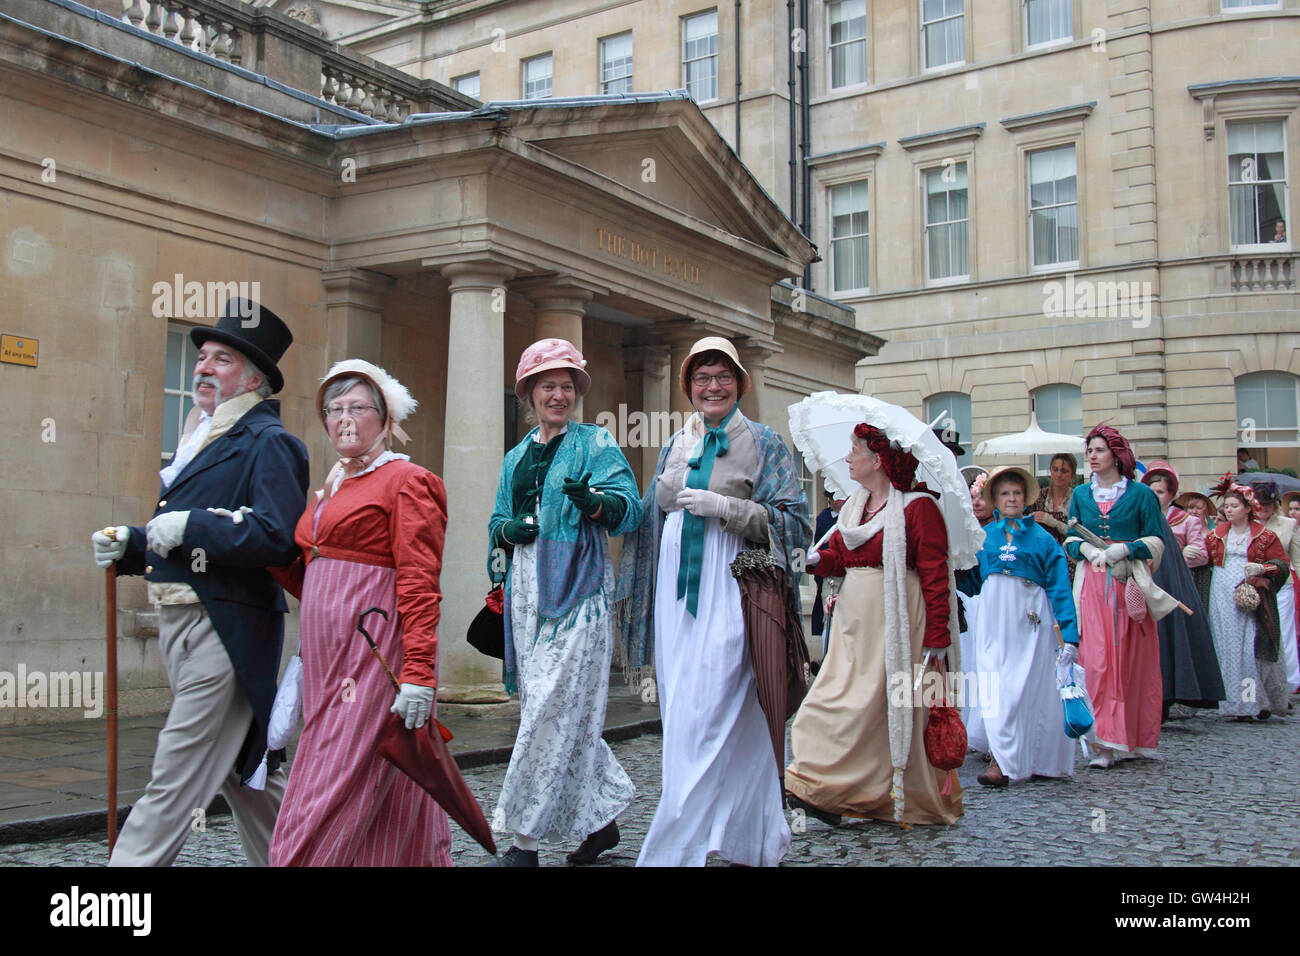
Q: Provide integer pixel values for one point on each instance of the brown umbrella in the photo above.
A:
(423, 756)
(774, 634)
(110, 690)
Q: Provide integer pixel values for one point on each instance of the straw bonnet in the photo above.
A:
(714, 343)
(1030, 482)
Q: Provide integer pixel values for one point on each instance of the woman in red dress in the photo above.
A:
(371, 537)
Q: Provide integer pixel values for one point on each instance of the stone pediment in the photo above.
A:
(340, 18)
(666, 150)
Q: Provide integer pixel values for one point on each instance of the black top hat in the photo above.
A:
(954, 445)
(255, 331)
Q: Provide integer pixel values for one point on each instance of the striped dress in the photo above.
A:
(376, 543)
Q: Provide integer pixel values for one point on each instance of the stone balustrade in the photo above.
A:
(1263, 273)
(289, 49)
(195, 25)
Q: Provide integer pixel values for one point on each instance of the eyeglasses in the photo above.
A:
(723, 378)
(353, 411)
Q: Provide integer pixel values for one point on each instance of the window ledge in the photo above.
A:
(953, 135)
(1078, 111)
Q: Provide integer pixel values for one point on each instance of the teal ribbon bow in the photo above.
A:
(699, 470)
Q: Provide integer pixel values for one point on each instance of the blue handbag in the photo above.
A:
(1078, 710)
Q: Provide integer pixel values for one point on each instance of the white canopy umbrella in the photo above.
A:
(1032, 441)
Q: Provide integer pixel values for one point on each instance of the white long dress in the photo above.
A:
(563, 781)
(721, 786)
(1023, 717)
(972, 714)
(1286, 620)
(1234, 633)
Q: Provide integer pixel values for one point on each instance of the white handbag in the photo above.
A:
(286, 712)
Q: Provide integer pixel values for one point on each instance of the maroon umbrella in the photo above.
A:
(423, 756)
(774, 634)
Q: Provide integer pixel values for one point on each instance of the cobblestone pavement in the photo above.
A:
(1223, 794)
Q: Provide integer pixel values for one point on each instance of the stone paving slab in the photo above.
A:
(1222, 794)
(53, 776)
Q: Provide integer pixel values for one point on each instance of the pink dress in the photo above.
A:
(345, 805)
(1122, 662)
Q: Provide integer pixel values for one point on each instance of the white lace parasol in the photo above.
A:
(822, 428)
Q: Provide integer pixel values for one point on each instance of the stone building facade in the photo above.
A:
(219, 147)
(1056, 201)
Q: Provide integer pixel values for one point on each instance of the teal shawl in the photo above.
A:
(572, 550)
(776, 487)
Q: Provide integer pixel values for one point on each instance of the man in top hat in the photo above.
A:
(228, 504)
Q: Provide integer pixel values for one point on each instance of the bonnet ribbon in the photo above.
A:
(699, 470)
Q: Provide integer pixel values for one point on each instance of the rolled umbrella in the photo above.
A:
(110, 691)
(423, 756)
(774, 635)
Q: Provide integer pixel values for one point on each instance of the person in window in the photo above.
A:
(859, 749)
(371, 536)
(1279, 231)
(562, 492)
(1188, 667)
(1247, 558)
(1245, 462)
(1119, 648)
(1025, 596)
(722, 485)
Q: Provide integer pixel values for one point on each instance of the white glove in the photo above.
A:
(413, 704)
(1254, 570)
(1069, 655)
(1093, 555)
(702, 503)
(166, 531)
(107, 550)
(812, 559)
(236, 516)
(1116, 553)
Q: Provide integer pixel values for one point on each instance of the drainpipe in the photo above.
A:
(737, 78)
(794, 168)
(805, 140)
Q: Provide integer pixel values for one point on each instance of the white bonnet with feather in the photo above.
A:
(396, 395)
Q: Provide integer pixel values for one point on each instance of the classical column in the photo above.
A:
(558, 308)
(472, 454)
(649, 379)
(680, 334)
(354, 320)
(754, 355)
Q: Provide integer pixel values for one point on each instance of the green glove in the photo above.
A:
(579, 492)
(518, 531)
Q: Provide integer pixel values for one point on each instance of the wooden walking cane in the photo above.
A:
(110, 705)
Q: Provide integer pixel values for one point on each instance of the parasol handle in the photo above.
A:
(361, 626)
(826, 537)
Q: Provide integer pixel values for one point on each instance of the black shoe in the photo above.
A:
(830, 819)
(517, 857)
(1264, 715)
(606, 838)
